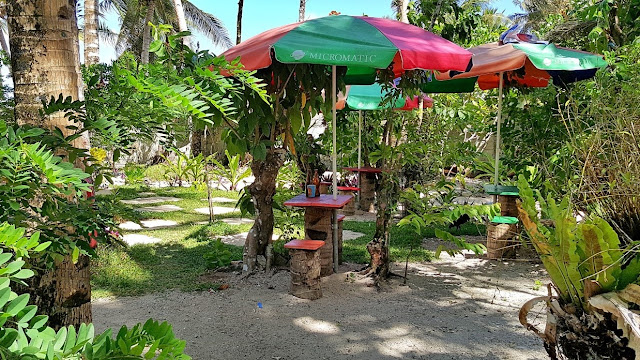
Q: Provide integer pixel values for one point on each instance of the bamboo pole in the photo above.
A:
(497, 167)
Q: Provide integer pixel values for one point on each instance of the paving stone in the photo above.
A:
(351, 235)
(135, 239)
(217, 210)
(160, 208)
(104, 192)
(239, 239)
(221, 200)
(150, 200)
(148, 224)
(146, 193)
(237, 221)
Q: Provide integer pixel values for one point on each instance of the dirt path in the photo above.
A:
(454, 308)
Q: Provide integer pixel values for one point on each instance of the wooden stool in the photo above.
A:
(500, 237)
(340, 220)
(305, 268)
(350, 208)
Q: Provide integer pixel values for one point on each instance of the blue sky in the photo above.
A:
(261, 15)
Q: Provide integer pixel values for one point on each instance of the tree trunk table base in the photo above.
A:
(350, 208)
(508, 206)
(317, 226)
(367, 184)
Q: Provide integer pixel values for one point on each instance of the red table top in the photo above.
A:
(304, 244)
(322, 201)
(348, 188)
(364, 169)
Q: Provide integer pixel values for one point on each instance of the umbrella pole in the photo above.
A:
(359, 150)
(334, 168)
(497, 167)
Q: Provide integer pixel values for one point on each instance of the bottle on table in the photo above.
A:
(316, 182)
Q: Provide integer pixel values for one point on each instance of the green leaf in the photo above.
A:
(16, 305)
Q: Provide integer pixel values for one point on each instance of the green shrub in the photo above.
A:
(219, 256)
(135, 173)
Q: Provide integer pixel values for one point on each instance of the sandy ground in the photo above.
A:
(454, 308)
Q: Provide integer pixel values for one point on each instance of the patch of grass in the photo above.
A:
(400, 241)
(171, 264)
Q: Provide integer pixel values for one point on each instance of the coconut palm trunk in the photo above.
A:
(146, 33)
(301, 10)
(239, 22)
(182, 21)
(43, 42)
(91, 42)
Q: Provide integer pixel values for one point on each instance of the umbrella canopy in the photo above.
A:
(370, 97)
(527, 65)
(518, 64)
(362, 44)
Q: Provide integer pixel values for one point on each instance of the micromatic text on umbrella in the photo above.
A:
(359, 58)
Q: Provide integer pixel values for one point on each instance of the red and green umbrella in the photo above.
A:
(361, 44)
(517, 65)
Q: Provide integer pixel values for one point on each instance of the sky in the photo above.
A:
(261, 15)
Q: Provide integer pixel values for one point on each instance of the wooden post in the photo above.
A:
(508, 206)
(500, 241)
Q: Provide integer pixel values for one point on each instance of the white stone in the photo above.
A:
(160, 208)
(104, 192)
(221, 200)
(236, 221)
(217, 210)
(135, 239)
(351, 235)
(148, 224)
(150, 200)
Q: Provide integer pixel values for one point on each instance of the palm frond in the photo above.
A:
(106, 34)
(207, 24)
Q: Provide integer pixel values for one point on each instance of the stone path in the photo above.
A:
(147, 224)
(221, 200)
(351, 235)
(217, 210)
(237, 221)
(150, 200)
(238, 239)
(160, 208)
(135, 239)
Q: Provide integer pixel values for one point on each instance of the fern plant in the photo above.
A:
(582, 259)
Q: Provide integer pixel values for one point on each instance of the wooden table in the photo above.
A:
(318, 223)
(367, 184)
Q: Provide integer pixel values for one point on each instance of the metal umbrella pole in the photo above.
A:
(334, 169)
(497, 167)
(359, 150)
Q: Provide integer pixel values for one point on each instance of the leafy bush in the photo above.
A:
(219, 256)
(135, 173)
(25, 335)
(233, 173)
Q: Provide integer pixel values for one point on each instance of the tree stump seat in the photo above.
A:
(305, 268)
(502, 235)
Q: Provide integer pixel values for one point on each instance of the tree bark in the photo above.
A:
(262, 191)
(301, 10)
(146, 33)
(182, 22)
(91, 41)
(239, 22)
(43, 37)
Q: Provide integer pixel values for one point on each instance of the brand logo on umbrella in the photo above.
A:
(547, 61)
(298, 54)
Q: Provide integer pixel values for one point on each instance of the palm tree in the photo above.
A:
(302, 9)
(43, 38)
(239, 22)
(135, 16)
(91, 42)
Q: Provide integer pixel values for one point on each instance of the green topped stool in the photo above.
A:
(502, 234)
